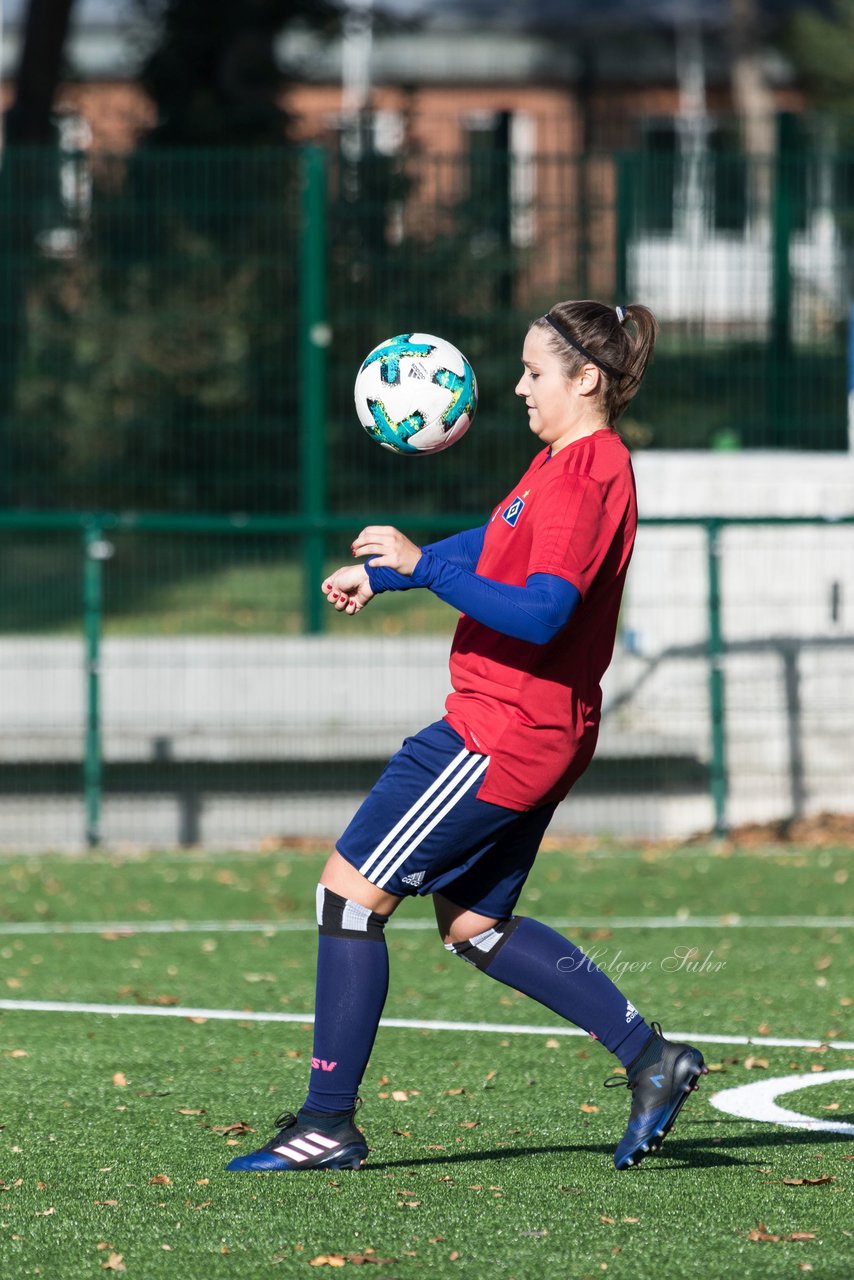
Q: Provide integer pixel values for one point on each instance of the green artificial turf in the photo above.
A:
(491, 1153)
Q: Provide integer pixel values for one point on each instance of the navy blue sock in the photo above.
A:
(540, 962)
(352, 984)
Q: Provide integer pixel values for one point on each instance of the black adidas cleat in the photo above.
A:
(299, 1144)
(659, 1091)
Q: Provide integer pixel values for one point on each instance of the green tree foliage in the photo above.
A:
(213, 75)
(159, 366)
(822, 47)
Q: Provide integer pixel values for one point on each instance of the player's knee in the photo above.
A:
(482, 949)
(339, 917)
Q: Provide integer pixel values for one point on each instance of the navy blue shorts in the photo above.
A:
(423, 830)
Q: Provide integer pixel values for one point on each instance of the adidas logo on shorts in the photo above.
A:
(415, 879)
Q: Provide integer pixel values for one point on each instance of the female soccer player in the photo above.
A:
(460, 810)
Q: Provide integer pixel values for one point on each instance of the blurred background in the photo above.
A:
(210, 210)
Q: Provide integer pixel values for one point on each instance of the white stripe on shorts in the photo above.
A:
(371, 859)
(418, 830)
(468, 784)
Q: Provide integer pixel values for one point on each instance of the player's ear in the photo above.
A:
(587, 380)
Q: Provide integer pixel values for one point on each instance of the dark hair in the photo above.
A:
(619, 341)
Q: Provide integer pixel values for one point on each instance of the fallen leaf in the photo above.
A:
(400, 1095)
(453, 1093)
(19, 1053)
(105, 1202)
(160, 1180)
(191, 1111)
(454, 1255)
(604, 1218)
(239, 1127)
(753, 1063)
(816, 1066)
(119, 1080)
(328, 1260)
(199, 1021)
(631, 1219)
(359, 1259)
(584, 1107)
(114, 1263)
(45, 1213)
(808, 1182)
(552, 1044)
(469, 1124)
(202, 1182)
(761, 1233)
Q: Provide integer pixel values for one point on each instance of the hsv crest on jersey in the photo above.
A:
(512, 513)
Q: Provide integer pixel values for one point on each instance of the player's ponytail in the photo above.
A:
(618, 340)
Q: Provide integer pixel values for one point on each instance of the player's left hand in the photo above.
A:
(387, 546)
(348, 588)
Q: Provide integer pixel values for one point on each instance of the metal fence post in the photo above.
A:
(719, 780)
(780, 346)
(95, 551)
(313, 345)
(625, 165)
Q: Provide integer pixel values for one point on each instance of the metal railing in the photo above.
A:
(93, 532)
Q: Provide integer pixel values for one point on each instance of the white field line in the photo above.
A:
(39, 927)
(414, 1024)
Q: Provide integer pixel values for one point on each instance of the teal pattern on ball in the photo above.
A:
(392, 352)
(394, 434)
(462, 388)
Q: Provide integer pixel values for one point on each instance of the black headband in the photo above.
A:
(588, 355)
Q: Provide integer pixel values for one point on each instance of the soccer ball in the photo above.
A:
(416, 394)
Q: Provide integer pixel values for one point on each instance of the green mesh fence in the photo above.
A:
(157, 311)
(180, 463)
